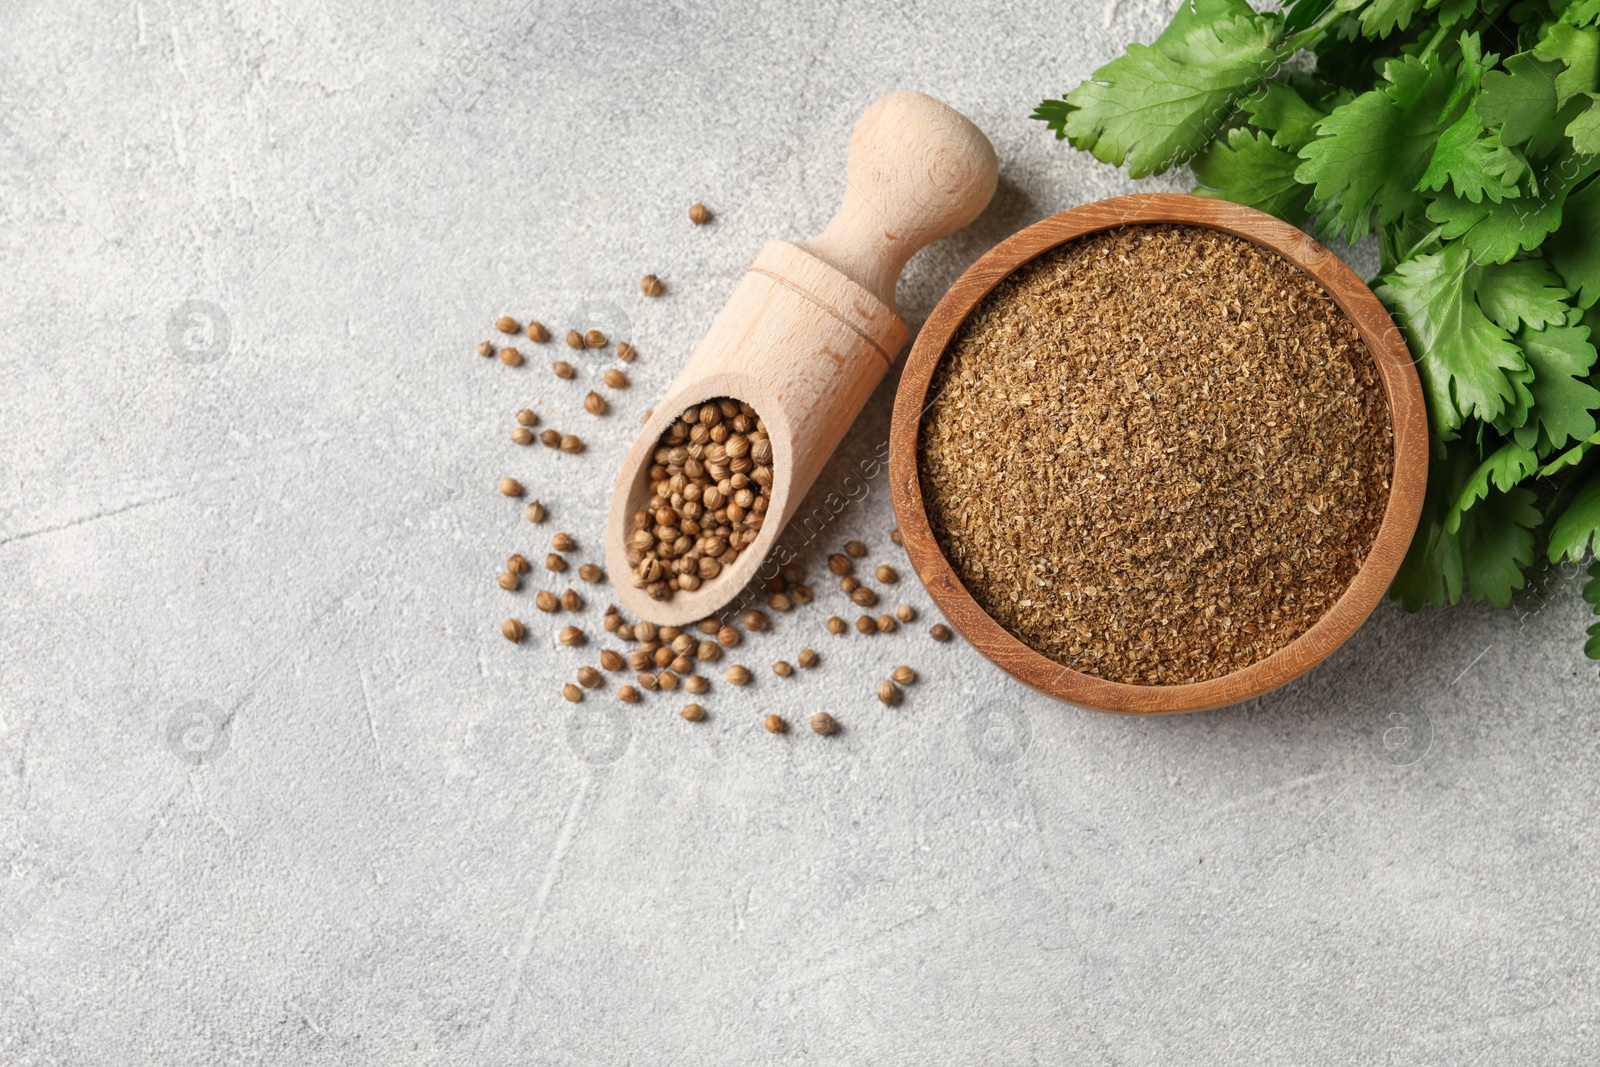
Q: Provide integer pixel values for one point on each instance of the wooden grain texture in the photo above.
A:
(1407, 484)
(811, 329)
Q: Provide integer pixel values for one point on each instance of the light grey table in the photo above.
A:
(273, 790)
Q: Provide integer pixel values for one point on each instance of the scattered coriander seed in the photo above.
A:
(645, 630)
(865, 625)
(534, 512)
(574, 340)
(639, 660)
(709, 625)
(591, 572)
(801, 594)
(774, 724)
(525, 417)
(695, 684)
(594, 403)
(610, 659)
(588, 677)
(550, 438)
(807, 658)
(628, 694)
(626, 352)
(783, 668)
(699, 214)
(563, 542)
(754, 620)
(792, 573)
(485, 349)
(889, 693)
(509, 581)
(887, 574)
(864, 597)
(855, 548)
(614, 378)
(779, 602)
(824, 724)
(650, 285)
(681, 664)
(625, 631)
(562, 369)
(836, 625)
(848, 585)
(513, 630)
(840, 564)
(894, 535)
(507, 324)
(511, 357)
(727, 637)
(594, 339)
(553, 562)
(663, 656)
(572, 693)
(570, 636)
(571, 443)
(738, 674)
(682, 643)
(647, 681)
(708, 652)
(537, 333)
(940, 632)
(522, 436)
(510, 487)
(905, 613)
(518, 564)
(571, 601)
(693, 713)
(885, 624)
(667, 680)
(904, 675)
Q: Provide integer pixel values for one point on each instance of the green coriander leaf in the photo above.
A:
(1497, 544)
(1578, 49)
(1247, 169)
(1505, 467)
(1159, 105)
(1581, 13)
(1520, 100)
(1591, 593)
(1493, 233)
(1475, 164)
(1585, 129)
(1383, 17)
(1461, 355)
(1054, 114)
(1571, 456)
(1432, 572)
(1563, 401)
(1281, 111)
(1574, 249)
(1524, 292)
(1577, 525)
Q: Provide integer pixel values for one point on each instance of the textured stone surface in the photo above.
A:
(387, 851)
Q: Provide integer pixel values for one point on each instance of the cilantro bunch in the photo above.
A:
(1466, 135)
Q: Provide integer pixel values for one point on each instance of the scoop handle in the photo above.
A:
(917, 170)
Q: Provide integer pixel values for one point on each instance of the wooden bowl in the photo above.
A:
(1407, 414)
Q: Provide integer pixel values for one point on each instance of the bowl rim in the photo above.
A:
(1407, 482)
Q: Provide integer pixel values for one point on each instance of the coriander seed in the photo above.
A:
(695, 684)
(693, 713)
(553, 562)
(647, 681)
(594, 403)
(572, 693)
(590, 572)
(550, 438)
(727, 637)
(513, 630)
(562, 542)
(801, 594)
(667, 680)
(534, 512)
(485, 349)
(574, 340)
(755, 621)
(836, 625)
(782, 668)
(626, 353)
(594, 339)
(589, 678)
(885, 624)
(522, 436)
(840, 564)
(506, 324)
(571, 601)
(905, 613)
(511, 357)
(889, 693)
(894, 535)
(639, 660)
(708, 652)
(509, 581)
(525, 417)
(865, 625)
(663, 656)
(570, 636)
(645, 630)
(517, 563)
(537, 333)
(614, 378)
(738, 674)
(774, 724)
(510, 487)
(940, 632)
(610, 659)
(807, 658)
(848, 585)
(887, 574)
(681, 664)
(855, 548)
(612, 621)
(628, 694)
(904, 675)
(625, 631)
(709, 625)
(571, 443)
(546, 601)
(562, 369)
(824, 724)
(779, 602)
(650, 285)
(699, 214)
(864, 597)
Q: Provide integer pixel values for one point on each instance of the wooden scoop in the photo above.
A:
(811, 328)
